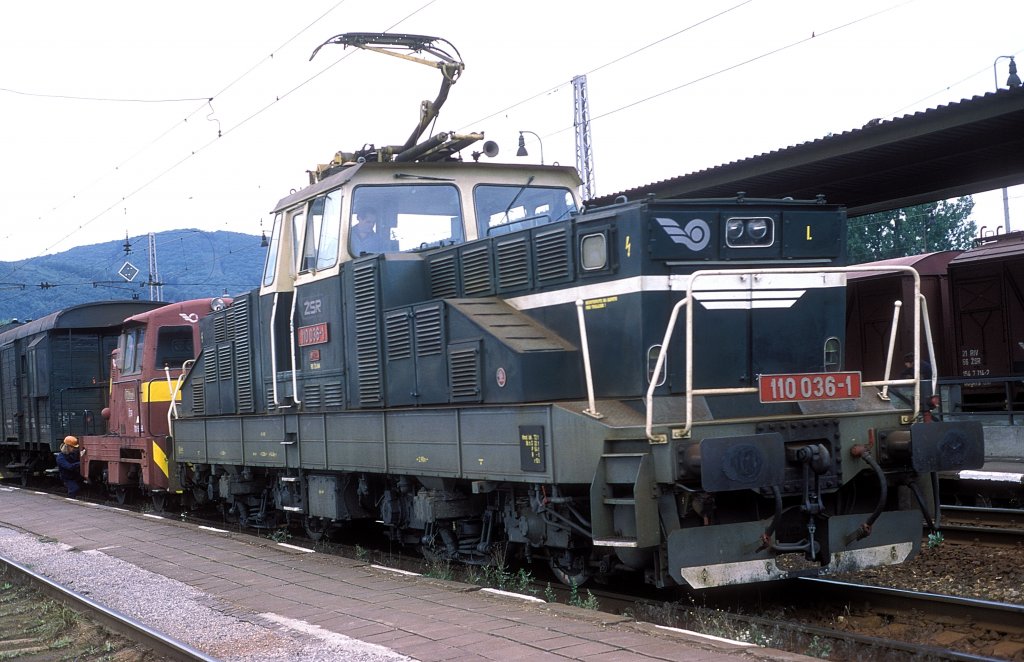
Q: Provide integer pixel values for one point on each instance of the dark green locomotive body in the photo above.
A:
(486, 379)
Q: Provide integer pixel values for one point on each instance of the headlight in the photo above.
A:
(734, 230)
(749, 232)
(757, 228)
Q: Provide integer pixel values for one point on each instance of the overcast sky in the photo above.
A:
(675, 87)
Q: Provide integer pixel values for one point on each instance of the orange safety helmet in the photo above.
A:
(71, 440)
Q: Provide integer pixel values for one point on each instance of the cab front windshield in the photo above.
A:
(506, 208)
(404, 217)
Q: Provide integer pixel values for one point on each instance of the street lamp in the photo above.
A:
(1012, 81)
(522, 145)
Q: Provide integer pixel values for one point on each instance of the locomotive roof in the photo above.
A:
(98, 314)
(1001, 247)
(458, 172)
(179, 310)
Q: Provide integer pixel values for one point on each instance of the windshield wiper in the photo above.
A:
(516, 197)
(406, 175)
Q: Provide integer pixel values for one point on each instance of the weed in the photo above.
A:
(935, 539)
(362, 553)
(549, 594)
(279, 535)
(440, 570)
(577, 600)
(821, 648)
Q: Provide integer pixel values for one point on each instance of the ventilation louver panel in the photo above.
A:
(224, 362)
(334, 395)
(199, 397)
(442, 277)
(367, 334)
(513, 264)
(220, 327)
(210, 364)
(399, 340)
(464, 373)
(311, 396)
(239, 318)
(551, 252)
(477, 273)
(428, 331)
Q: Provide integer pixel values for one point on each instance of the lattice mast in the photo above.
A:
(581, 120)
(156, 288)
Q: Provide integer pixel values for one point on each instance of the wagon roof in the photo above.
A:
(100, 314)
(926, 264)
(1003, 247)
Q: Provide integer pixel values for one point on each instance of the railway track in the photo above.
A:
(801, 616)
(21, 608)
(999, 526)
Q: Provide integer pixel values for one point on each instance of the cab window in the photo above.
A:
(173, 347)
(404, 217)
(330, 232)
(270, 270)
(298, 220)
(131, 346)
(311, 233)
(506, 208)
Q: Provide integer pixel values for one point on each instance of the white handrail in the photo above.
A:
(174, 391)
(291, 342)
(273, 347)
(928, 342)
(660, 363)
(585, 347)
(691, 392)
(893, 328)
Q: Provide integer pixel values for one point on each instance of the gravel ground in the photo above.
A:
(986, 572)
(186, 614)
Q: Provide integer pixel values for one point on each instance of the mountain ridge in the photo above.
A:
(191, 264)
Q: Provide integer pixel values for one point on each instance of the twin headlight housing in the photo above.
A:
(749, 232)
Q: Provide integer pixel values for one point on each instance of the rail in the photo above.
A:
(161, 644)
(919, 305)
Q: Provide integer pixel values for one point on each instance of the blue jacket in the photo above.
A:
(67, 465)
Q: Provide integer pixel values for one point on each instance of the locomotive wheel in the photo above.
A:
(315, 527)
(570, 569)
(122, 494)
(229, 513)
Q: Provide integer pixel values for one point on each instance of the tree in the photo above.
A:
(934, 226)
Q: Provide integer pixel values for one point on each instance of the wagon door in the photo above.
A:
(980, 329)
(9, 393)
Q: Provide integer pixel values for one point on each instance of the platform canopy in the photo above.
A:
(961, 148)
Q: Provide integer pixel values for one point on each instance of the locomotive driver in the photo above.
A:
(68, 462)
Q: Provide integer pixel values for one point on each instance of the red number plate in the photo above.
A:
(810, 386)
(312, 335)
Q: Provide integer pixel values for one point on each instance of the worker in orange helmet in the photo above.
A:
(68, 463)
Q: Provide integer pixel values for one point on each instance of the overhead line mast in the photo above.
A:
(581, 120)
(156, 288)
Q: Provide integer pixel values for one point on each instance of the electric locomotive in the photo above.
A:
(655, 385)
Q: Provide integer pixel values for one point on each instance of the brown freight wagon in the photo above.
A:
(987, 293)
(869, 312)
